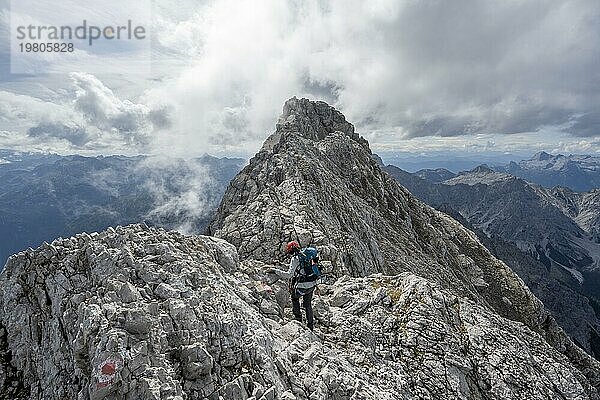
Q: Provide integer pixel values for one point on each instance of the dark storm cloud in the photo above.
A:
(456, 67)
(586, 125)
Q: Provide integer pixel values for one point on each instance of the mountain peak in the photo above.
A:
(321, 187)
(435, 175)
(483, 168)
(482, 174)
(313, 119)
(541, 156)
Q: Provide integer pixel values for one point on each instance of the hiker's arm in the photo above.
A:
(287, 274)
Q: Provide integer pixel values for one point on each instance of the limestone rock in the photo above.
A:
(392, 337)
(314, 178)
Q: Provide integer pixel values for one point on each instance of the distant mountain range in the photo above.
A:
(44, 196)
(580, 173)
(556, 231)
(557, 225)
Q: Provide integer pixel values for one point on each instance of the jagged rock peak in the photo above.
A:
(313, 119)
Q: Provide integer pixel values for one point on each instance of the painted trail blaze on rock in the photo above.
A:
(109, 368)
(106, 372)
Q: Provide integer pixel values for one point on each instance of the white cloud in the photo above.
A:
(410, 69)
(105, 111)
(417, 68)
(87, 117)
(182, 190)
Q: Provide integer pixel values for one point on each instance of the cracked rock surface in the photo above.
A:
(140, 313)
(327, 190)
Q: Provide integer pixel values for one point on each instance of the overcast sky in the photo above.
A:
(471, 76)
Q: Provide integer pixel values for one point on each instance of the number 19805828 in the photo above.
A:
(46, 47)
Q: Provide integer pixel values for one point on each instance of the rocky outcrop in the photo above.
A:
(128, 314)
(140, 313)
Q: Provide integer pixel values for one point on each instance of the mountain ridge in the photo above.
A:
(404, 239)
(541, 222)
(580, 173)
(419, 307)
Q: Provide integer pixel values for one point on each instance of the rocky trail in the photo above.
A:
(173, 317)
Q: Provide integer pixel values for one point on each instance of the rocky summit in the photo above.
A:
(414, 307)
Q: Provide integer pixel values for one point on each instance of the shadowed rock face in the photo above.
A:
(420, 310)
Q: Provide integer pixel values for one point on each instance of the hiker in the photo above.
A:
(303, 275)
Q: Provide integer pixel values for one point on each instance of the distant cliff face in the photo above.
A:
(420, 309)
(583, 208)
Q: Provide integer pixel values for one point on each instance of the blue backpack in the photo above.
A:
(309, 261)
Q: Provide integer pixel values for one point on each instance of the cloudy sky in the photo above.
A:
(421, 76)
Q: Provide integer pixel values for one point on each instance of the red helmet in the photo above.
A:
(292, 247)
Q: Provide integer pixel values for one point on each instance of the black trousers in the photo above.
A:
(307, 304)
